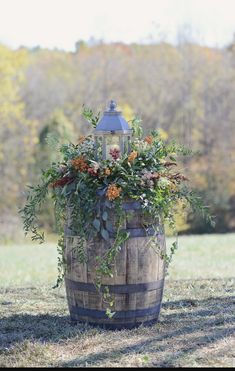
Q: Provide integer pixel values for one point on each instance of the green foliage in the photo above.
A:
(137, 130)
(34, 202)
(86, 192)
(88, 114)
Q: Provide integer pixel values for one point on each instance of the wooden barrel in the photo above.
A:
(137, 282)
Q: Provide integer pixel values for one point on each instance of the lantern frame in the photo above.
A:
(112, 126)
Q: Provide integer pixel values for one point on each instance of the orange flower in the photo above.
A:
(113, 192)
(107, 171)
(80, 164)
(132, 156)
(81, 139)
(149, 139)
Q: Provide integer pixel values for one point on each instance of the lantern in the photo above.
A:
(112, 134)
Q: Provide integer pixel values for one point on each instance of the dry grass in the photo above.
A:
(196, 328)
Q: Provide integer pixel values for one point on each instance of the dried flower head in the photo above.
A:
(115, 153)
(148, 175)
(107, 171)
(62, 181)
(81, 139)
(156, 176)
(113, 192)
(163, 182)
(132, 156)
(168, 163)
(173, 186)
(79, 164)
(149, 139)
(92, 171)
(177, 177)
(149, 178)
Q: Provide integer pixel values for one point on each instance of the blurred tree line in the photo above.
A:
(188, 91)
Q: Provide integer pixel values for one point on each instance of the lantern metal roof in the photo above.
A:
(112, 122)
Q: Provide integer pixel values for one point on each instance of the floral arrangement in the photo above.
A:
(91, 189)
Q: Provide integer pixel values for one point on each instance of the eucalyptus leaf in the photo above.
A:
(101, 192)
(109, 313)
(109, 226)
(96, 224)
(105, 215)
(71, 187)
(108, 204)
(64, 190)
(105, 234)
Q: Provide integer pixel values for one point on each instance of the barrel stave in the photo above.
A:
(136, 285)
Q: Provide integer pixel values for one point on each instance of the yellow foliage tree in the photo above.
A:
(18, 135)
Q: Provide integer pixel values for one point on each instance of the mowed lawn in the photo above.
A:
(195, 329)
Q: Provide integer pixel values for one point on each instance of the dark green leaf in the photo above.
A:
(109, 226)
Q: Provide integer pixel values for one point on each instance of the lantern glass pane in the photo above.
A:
(98, 147)
(126, 144)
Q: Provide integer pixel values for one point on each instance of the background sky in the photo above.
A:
(60, 23)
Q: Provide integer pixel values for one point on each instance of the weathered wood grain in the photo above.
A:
(136, 285)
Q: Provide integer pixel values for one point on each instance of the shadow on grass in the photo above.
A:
(205, 322)
(41, 327)
(185, 325)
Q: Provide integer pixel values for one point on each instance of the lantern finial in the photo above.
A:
(112, 105)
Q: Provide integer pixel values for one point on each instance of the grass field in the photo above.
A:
(196, 326)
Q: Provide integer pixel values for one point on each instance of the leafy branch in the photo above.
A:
(29, 212)
(90, 117)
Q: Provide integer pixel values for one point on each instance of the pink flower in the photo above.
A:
(115, 153)
(92, 171)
